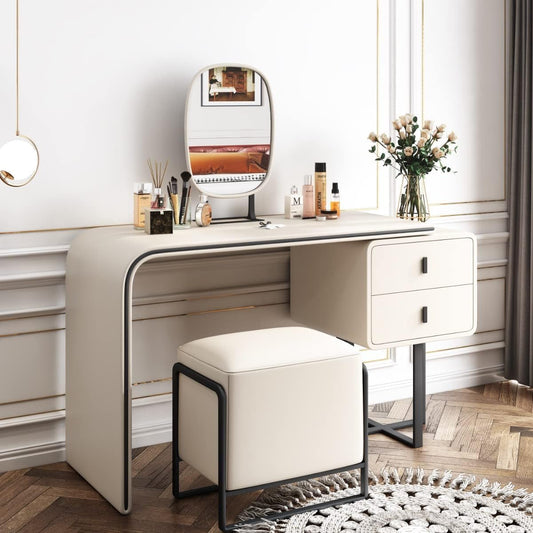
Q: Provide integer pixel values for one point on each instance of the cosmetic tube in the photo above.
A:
(309, 197)
(320, 187)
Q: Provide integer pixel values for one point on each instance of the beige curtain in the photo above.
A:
(519, 298)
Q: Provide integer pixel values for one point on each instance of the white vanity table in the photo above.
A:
(376, 262)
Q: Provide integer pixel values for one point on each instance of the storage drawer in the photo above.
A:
(398, 318)
(400, 267)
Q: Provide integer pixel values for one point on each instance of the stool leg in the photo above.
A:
(178, 369)
(222, 442)
(175, 451)
(364, 469)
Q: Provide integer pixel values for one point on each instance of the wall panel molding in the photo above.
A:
(32, 263)
(152, 425)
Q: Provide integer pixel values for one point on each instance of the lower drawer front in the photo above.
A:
(399, 318)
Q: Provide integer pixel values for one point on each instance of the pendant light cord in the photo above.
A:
(17, 64)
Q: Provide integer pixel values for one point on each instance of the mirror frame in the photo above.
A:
(25, 182)
(186, 136)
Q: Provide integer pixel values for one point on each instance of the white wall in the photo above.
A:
(103, 88)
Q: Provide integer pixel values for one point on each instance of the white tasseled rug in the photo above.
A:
(410, 502)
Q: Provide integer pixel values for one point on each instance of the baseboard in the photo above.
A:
(386, 392)
(145, 433)
(41, 454)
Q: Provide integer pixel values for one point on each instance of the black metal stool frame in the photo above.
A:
(180, 368)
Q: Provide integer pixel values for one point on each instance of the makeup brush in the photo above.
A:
(185, 176)
(187, 205)
(172, 189)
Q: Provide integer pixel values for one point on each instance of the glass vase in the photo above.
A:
(413, 203)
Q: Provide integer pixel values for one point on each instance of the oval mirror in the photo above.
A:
(19, 161)
(228, 130)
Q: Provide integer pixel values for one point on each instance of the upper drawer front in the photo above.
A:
(400, 267)
(415, 316)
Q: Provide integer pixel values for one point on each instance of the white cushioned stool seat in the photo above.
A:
(294, 405)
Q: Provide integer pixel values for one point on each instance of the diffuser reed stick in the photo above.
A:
(157, 172)
(158, 176)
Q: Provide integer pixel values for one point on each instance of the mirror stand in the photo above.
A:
(248, 218)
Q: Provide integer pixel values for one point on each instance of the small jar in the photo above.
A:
(329, 214)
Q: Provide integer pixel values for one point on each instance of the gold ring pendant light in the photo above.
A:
(19, 157)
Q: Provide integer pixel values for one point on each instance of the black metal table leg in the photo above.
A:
(419, 406)
(419, 394)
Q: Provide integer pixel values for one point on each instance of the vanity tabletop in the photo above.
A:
(125, 244)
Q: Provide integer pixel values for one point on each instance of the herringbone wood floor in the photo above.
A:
(487, 431)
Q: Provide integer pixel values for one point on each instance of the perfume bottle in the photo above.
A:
(309, 197)
(336, 199)
(293, 204)
(203, 213)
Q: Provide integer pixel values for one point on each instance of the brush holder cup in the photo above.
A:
(183, 221)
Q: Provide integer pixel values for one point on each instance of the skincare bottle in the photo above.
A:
(293, 204)
(336, 199)
(309, 197)
(141, 200)
(203, 212)
(320, 187)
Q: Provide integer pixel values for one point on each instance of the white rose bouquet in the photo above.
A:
(414, 155)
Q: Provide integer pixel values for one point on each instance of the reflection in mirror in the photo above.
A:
(19, 161)
(229, 131)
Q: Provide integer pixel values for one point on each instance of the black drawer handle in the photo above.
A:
(424, 265)
(425, 314)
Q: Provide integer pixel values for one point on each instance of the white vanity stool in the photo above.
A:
(266, 407)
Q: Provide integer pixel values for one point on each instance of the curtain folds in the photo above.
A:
(519, 297)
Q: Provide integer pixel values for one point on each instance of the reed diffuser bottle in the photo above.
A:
(158, 219)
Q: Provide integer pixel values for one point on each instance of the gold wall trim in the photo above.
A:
(151, 381)
(377, 108)
(493, 266)
(33, 414)
(423, 59)
(210, 311)
(31, 332)
(467, 214)
(504, 199)
(28, 316)
(32, 400)
(489, 331)
(62, 229)
(215, 296)
(471, 345)
(469, 202)
(152, 395)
